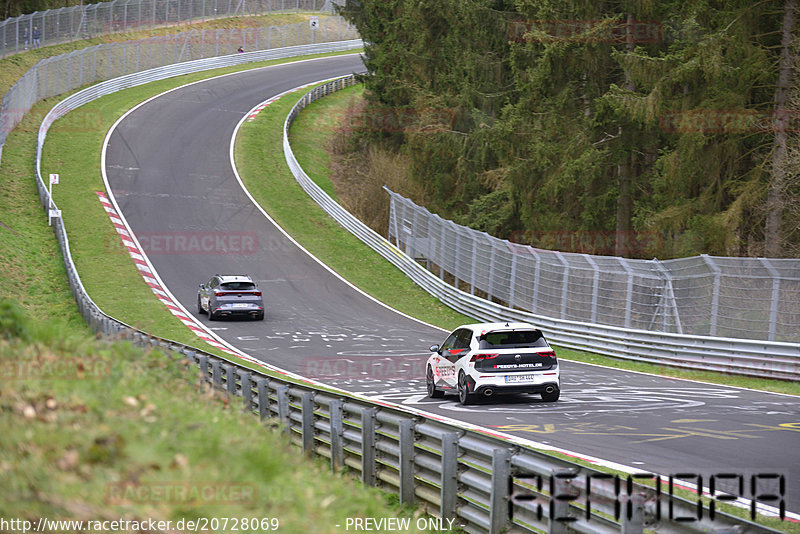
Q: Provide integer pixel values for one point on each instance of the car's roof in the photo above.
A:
(489, 327)
(234, 278)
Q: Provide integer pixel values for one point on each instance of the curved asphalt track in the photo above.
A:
(168, 166)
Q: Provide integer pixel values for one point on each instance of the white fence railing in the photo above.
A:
(729, 355)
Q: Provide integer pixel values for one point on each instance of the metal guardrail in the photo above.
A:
(728, 355)
(483, 483)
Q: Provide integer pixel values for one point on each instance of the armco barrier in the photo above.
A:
(455, 471)
(728, 355)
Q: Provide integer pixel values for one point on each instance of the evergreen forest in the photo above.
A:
(670, 128)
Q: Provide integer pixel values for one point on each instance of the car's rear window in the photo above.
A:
(515, 339)
(238, 286)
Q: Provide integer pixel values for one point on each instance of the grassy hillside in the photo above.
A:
(90, 433)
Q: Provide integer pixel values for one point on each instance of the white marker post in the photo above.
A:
(50, 211)
(313, 23)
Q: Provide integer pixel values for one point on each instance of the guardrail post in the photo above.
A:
(498, 498)
(337, 448)
(283, 407)
(216, 373)
(247, 390)
(230, 378)
(308, 423)
(633, 517)
(449, 491)
(262, 393)
(202, 360)
(558, 518)
(368, 475)
(406, 461)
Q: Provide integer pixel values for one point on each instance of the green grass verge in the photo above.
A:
(89, 433)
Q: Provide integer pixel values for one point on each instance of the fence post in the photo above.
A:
(712, 330)
(628, 290)
(449, 481)
(216, 373)
(595, 284)
(337, 448)
(262, 391)
(368, 474)
(283, 407)
(202, 360)
(564, 285)
(633, 517)
(230, 378)
(247, 390)
(776, 290)
(308, 422)
(559, 518)
(406, 461)
(499, 495)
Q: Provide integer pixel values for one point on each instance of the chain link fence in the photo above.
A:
(60, 74)
(85, 22)
(748, 298)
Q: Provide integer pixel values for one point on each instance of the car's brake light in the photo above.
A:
(477, 357)
(257, 293)
(548, 354)
(218, 293)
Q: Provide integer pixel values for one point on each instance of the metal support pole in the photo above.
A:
(776, 291)
(262, 392)
(407, 461)
(368, 473)
(449, 481)
(564, 285)
(498, 497)
(247, 390)
(283, 407)
(628, 291)
(595, 286)
(308, 422)
(230, 378)
(337, 447)
(712, 330)
(216, 373)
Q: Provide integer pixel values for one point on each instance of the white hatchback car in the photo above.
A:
(491, 358)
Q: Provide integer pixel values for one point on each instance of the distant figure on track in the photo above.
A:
(241, 50)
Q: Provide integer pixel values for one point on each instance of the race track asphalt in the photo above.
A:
(169, 169)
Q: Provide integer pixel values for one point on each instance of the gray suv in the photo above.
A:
(228, 295)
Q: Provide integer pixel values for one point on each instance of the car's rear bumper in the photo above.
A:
(489, 389)
(229, 311)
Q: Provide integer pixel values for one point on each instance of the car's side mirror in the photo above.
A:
(434, 348)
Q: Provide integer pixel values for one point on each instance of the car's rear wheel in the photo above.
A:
(551, 397)
(464, 396)
(200, 306)
(211, 316)
(432, 391)
(260, 316)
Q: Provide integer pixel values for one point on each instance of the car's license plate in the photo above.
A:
(241, 305)
(520, 378)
